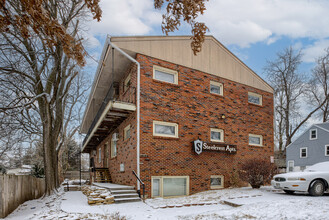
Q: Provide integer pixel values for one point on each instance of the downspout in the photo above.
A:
(137, 103)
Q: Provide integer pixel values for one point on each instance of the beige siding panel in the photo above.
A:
(213, 59)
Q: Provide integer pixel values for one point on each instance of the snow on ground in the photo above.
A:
(255, 204)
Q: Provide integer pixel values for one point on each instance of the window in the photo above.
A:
(126, 132)
(114, 141)
(216, 135)
(216, 181)
(255, 139)
(100, 155)
(255, 98)
(165, 129)
(127, 83)
(165, 75)
(327, 150)
(216, 88)
(290, 166)
(167, 186)
(313, 134)
(303, 152)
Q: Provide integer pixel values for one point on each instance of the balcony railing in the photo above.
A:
(129, 96)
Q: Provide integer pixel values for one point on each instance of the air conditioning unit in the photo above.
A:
(115, 136)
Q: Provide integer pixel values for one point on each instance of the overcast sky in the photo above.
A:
(254, 30)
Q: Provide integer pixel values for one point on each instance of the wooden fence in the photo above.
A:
(15, 190)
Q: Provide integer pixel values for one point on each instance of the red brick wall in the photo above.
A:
(196, 110)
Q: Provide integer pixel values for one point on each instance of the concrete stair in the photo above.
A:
(121, 193)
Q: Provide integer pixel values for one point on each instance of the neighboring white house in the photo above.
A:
(309, 148)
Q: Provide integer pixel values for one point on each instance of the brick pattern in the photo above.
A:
(196, 110)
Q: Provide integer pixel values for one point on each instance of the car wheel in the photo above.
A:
(290, 192)
(316, 188)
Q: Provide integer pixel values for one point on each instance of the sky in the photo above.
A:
(254, 30)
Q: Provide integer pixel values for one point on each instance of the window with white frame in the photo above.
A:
(165, 74)
(216, 135)
(216, 181)
(100, 155)
(313, 134)
(216, 88)
(169, 186)
(126, 132)
(303, 152)
(114, 142)
(326, 150)
(255, 98)
(291, 166)
(165, 129)
(127, 83)
(256, 140)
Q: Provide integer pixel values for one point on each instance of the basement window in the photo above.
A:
(170, 186)
(165, 129)
(216, 135)
(165, 75)
(216, 181)
(216, 88)
(327, 150)
(255, 98)
(256, 140)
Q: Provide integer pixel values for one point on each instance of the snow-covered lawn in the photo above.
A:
(254, 204)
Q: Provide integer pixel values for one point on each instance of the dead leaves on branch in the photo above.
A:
(187, 11)
(31, 15)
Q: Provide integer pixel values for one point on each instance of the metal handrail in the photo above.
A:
(143, 185)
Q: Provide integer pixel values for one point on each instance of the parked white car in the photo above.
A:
(314, 180)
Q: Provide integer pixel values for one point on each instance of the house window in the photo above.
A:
(313, 134)
(165, 129)
(114, 142)
(303, 152)
(168, 186)
(216, 88)
(255, 98)
(256, 140)
(100, 155)
(216, 181)
(126, 132)
(327, 150)
(165, 75)
(290, 166)
(127, 83)
(216, 135)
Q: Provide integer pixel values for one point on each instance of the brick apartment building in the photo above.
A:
(183, 123)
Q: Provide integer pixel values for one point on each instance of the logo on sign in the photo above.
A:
(198, 146)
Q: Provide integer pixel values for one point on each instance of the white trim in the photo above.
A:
(175, 125)
(161, 185)
(300, 152)
(221, 131)
(293, 165)
(316, 134)
(219, 186)
(166, 70)
(256, 95)
(218, 84)
(258, 136)
(125, 132)
(326, 148)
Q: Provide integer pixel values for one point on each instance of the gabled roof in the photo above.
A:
(324, 126)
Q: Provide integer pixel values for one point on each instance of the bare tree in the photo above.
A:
(289, 89)
(319, 86)
(38, 78)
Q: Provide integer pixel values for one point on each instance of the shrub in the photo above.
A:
(38, 171)
(257, 172)
(3, 169)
